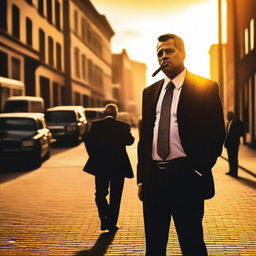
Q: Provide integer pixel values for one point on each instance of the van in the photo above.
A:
(8, 88)
(24, 104)
(66, 123)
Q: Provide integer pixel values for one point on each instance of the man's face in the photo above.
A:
(171, 57)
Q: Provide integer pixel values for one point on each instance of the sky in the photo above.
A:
(138, 23)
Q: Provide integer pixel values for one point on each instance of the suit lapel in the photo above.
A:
(155, 92)
(185, 96)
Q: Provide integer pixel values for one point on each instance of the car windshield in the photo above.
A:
(91, 114)
(60, 116)
(17, 124)
(16, 106)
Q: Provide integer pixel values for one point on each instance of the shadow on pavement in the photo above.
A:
(12, 169)
(100, 247)
(248, 182)
(60, 147)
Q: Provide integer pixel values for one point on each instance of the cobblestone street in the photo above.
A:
(51, 211)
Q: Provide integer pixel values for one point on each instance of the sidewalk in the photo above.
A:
(51, 212)
(246, 159)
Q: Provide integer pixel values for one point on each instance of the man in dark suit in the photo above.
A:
(234, 130)
(182, 133)
(108, 161)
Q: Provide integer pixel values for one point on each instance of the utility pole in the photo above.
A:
(220, 50)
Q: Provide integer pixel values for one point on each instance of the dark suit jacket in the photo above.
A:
(106, 145)
(201, 126)
(236, 130)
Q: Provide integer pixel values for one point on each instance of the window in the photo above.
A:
(246, 41)
(83, 66)
(55, 94)
(76, 21)
(15, 21)
(85, 100)
(15, 68)
(77, 98)
(77, 69)
(41, 7)
(41, 44)
(58, 56)
(49, 10)
(252, 28)
(3, 14)
(255, 106)
(57, 14)
(84, 26)
(4, 64)
(29, 31)
(29, 1)
(50, 51)
(90, 70)
(45, 90)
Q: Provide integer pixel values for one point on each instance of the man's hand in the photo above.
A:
(140, 191)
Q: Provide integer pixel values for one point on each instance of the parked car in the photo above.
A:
(24, 104)
(66, 123)
(94, 113)
(24, 136)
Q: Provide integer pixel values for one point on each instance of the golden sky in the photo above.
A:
(138, 23)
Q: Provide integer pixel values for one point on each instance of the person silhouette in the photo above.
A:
(181, 136)
(234, 130)
(106, 143)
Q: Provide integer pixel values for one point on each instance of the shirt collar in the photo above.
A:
(178, 80)
(109, 117)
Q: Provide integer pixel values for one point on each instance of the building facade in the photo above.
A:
(241, 64)
(60, 49)
(129, 79)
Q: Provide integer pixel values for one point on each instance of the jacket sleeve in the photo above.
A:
(88, 140)
(141, 143)
(216, 125)
(129, 139)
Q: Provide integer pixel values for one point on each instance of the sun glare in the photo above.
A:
(197, 25)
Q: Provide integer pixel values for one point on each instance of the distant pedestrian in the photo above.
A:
(108, 160)
(234, 130)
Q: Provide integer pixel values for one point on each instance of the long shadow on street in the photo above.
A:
(100, 247)
(12, 169)
(248, 182)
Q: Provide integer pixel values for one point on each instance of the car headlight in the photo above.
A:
(28, 143)
(71, 128)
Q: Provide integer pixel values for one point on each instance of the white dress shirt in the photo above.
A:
(176, 149)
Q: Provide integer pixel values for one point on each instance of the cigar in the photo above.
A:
(158, 70)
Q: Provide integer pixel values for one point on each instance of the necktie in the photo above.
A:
(163, 138)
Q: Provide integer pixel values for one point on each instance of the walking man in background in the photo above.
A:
(108, 160)
(182, 134)
(234, 130)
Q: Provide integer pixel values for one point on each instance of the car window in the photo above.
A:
(17, 124)
(36, 106)
(16, 106)
(92, 114)
(60, 116)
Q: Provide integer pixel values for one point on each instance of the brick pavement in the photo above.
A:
(51, 211)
